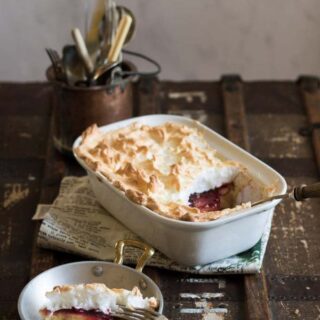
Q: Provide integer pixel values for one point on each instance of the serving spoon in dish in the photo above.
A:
(298, 193)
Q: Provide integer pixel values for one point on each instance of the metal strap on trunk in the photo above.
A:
(310, 90)
(256, 303)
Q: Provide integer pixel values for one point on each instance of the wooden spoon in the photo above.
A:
(121, 35)
(82, 50)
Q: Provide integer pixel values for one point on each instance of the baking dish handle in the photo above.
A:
(148, 252)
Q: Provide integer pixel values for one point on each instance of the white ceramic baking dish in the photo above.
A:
(191, 243)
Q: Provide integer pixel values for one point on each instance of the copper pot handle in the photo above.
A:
(148, 252)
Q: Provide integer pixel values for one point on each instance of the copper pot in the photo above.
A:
(77, 107)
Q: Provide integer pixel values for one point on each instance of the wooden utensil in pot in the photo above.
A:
(113, 55)
(82, 50)
(121, 35)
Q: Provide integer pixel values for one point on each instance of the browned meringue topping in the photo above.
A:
(92, 298)
(160, 166)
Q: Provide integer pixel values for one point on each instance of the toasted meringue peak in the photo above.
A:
(161, 166)
(96, 296)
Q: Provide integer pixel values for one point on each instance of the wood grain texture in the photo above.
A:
(57, 166)
(25, 99)
(196, 297)
(192, 96)
(294, 240)
(275, 97)
(22, 153)
(294, 288)
(41, 259)
(277, 136)
(31, 170)
(296, 310)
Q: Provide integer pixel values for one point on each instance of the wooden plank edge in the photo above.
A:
(42, 259)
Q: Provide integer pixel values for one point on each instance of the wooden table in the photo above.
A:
(265, 117)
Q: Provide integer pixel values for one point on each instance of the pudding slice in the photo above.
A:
(75, 314)
(93, 301)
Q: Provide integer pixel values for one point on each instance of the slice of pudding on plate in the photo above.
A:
(94, 301)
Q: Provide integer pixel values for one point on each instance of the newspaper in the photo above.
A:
(77, 224)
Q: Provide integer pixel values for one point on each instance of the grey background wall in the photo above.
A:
(266, 39)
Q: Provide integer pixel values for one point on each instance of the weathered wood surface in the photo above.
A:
(274, 113)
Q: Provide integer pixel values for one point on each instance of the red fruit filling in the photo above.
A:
(209, 200)
(85, 314)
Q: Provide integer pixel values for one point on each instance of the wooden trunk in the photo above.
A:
(277, 121)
